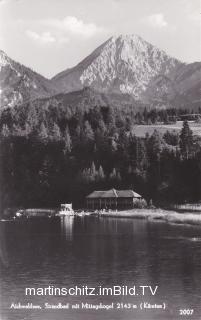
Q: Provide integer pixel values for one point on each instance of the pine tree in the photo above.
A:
(67, 141)
(93, 171)
(110, 117)
(186, 141)
(100, 174)
(156, 142)
(114, 145)
(5, 132)
(89, 174)
(43, 133)
(172, 138)
(115, 175)
(88, 132)
(101, 127)
(17, 130)
(28, 129)
(56, 133)
(32, 118)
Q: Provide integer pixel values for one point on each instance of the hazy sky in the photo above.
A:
(52, 35)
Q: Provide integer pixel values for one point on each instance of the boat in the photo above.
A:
(19, 214)
(66, 210)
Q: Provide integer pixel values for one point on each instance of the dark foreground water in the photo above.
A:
(68, 252)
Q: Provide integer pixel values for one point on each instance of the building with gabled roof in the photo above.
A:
(112, 199)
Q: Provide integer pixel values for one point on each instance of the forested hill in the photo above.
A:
(64, 107)
(53, 151)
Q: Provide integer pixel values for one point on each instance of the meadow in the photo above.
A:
(141, 130)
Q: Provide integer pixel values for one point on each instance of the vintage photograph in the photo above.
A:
(100, 159)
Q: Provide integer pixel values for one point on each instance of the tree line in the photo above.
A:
(54, 154)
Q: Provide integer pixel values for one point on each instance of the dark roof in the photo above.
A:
(128, 194)
(114, 194)
(103, 194)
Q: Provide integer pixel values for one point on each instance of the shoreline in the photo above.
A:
(157, 214)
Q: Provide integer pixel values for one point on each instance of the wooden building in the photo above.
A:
(112, 199)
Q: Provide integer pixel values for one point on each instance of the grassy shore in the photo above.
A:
(157, 214)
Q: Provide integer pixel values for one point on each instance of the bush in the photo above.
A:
(140, 204)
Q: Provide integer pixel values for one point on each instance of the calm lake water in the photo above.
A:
(70, 251)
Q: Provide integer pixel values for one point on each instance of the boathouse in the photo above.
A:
(112, 199)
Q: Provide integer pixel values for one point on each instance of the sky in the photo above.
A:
(52, 35)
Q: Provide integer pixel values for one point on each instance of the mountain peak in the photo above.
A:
(123, 64)
(19, 83)
(2, 53)
(4, 59)
(127, 37)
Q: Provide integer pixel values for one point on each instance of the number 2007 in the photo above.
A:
(186, 312)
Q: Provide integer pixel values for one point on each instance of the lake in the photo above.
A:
(100, 251)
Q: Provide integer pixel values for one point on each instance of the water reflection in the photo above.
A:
(3, 247)
(96, 251)
(67, 226)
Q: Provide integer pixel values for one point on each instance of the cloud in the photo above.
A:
(43, 38)
(2, 2)
(62, 39)
(59, 30)
(156, 20)
(46, 37)
(74, 26)
(195, 17)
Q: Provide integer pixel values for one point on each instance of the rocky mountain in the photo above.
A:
(130, 65)
(181, 88)
(188, 83)
(19, 84)
(124, 66)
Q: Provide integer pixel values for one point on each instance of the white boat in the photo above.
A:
(66, 210)
(19, 214)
